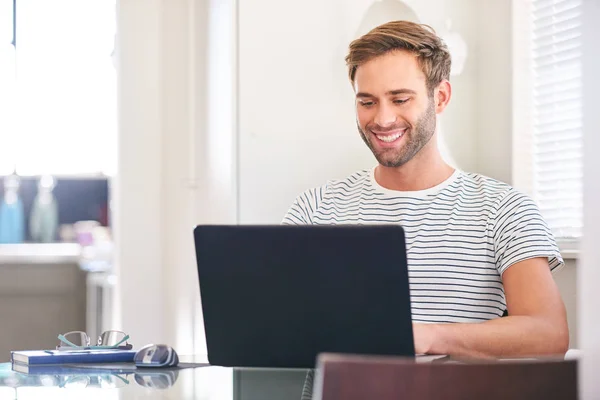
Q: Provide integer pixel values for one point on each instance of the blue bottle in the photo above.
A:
(43, 220)
(12, 220)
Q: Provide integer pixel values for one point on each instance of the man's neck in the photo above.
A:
(426, 170)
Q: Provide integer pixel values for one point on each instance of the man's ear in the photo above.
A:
(442, 96)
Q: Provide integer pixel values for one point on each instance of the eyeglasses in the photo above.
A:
(81, 341)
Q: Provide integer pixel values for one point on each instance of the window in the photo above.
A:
(7, 86)
(60, 104)
(547, 116)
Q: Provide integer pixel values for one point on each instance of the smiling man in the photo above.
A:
(480, 255)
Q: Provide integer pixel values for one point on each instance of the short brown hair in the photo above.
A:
(431, 51)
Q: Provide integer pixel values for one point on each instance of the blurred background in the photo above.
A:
(123, 124)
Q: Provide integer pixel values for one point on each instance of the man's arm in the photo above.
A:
(536, 324)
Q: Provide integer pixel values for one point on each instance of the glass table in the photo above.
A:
(191, 381)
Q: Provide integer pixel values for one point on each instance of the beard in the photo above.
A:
(417, 137)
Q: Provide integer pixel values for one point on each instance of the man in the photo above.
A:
(477, 248)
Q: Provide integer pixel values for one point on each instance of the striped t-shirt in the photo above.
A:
(461, 235)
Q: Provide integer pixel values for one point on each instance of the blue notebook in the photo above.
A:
(38, 357)
(74, 369)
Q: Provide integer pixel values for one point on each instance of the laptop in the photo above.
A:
(275, 296)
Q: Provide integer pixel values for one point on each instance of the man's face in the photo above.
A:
(395, 115)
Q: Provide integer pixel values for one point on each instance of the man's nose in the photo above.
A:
(385, 116)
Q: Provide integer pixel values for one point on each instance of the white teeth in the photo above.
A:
(388, 138)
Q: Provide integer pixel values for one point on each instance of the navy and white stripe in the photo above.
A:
(461, 236)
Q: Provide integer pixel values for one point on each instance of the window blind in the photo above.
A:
(557, 137)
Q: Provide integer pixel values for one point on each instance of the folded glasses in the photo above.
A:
(79, 340)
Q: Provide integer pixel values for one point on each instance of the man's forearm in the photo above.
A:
(512, 336)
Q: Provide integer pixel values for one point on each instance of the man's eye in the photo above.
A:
(400, 101)
(366, 103)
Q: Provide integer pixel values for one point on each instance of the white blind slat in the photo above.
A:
(541, 129)
(541, 5)
(550, 79)
(548, 100)
(559, 137)
(565, 67)
(568, 85)
(559, 59)
(564, 190)
(567, 105)
(551, 149)
(555, 29)
(551, 40)
(549, 170)
(550, 50)
(559, 179)
(544, 39)
(551, 119)
(550, 19)
(557, 156)
(556, 127)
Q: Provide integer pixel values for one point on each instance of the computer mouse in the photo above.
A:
(156, 355)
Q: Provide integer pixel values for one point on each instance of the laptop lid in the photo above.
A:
(278, 295)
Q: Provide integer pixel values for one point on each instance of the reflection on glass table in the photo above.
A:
(202, 382)
(155, 379)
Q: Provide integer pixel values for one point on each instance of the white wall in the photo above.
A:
(171, 173)
(178, 175)
(296, 116)
(494, 108)
(137, 200)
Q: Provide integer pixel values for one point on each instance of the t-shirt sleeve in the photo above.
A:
(520, 233)
(302, 210)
